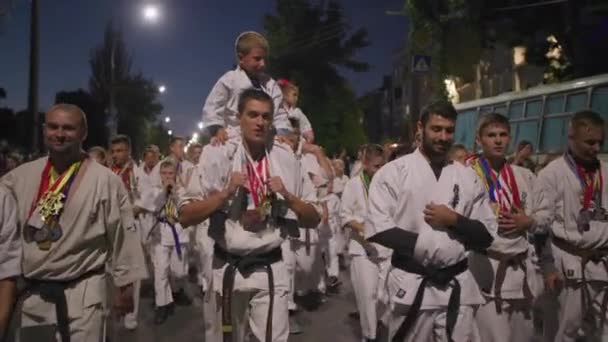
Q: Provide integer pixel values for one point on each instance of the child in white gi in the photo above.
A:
(291, 94)
(169, 247)
(221, 105)
(366, 257)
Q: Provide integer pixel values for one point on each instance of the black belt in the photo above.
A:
(432, 276)
(54, 292)
(246, 265)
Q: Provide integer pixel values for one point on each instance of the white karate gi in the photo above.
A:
(170, 270)
(508, 317)
(296, 113)
(364, 272)
(251, 294)
(221, 106)
(10, 240)
(98, 227)
(558, 203)
(398, 195)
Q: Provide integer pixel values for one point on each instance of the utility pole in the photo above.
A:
(32, 102)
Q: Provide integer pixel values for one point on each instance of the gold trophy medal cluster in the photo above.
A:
(49, 208)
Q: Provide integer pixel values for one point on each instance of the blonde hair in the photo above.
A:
(248, 40)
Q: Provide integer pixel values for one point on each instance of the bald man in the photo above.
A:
(76, 217)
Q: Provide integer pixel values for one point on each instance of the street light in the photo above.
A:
(151, 13)
(170, 132)
(200, 125)
(162, 89)
(167, 119)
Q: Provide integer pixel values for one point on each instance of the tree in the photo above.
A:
(8, 122)
(468, 28)
(112, 83)
(96, 119)
(309, 43)
(138, 106)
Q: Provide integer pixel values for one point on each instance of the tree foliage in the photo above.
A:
(136, 97)
(461, 30)
(309, 45)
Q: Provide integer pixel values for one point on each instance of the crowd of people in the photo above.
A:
(441, 244)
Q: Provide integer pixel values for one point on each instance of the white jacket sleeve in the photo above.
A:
(545, 200)
(382, 202)
(216, 103)
(10, 242)
(349, 211)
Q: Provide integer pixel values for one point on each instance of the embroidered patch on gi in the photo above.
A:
(456, 198)
(400, 293)
(570, 273)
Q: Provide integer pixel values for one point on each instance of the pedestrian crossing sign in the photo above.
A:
(421, 63)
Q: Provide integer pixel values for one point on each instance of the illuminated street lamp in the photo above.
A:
(151, 13)
(162, 89)
(167, 119)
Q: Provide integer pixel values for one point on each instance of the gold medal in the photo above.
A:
(495, 208)
(264, 209)
(44, 245)
(51, 205)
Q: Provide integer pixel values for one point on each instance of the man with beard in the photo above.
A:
(570, 201)
(76, 218)
(365, 257)
(431, 213)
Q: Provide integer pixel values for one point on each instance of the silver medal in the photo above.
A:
(599, 214)
(55, 233)
(584, 218)
(42, 234)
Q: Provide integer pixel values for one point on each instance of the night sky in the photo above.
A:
(187, 50)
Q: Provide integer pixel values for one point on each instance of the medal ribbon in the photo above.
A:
(592, 182)
(125, 173)
(170, 216)
(366, 181)
(257, 177)
(49, 188)
(498, 192)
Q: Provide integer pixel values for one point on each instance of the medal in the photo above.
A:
(43, 222)
(257, 176)
(51, 205)
(44, 246)
(592, 185)
(583, 220)
(264, 209)
(599, 214)
(42, 234)
(55, 233)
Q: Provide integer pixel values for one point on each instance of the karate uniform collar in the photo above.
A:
(589, 166)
